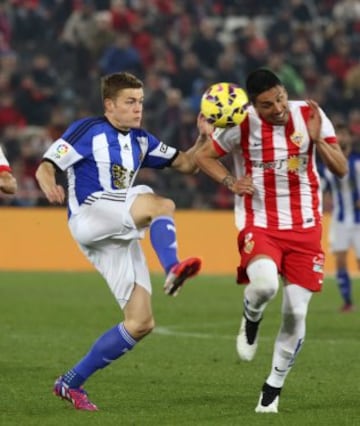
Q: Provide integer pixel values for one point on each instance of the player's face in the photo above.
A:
(272, 106)
(125, 112)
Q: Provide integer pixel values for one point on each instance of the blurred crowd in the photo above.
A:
(52, 53)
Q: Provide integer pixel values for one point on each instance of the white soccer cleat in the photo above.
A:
(247, 339)
(269, 399)
(271, 408)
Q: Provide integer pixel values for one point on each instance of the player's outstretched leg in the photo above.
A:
(269, 399)
(76, 396)
(247, 339)
(179, 273)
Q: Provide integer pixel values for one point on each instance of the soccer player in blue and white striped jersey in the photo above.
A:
(345, 216)
(108, 216)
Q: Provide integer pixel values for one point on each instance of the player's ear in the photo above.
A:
(108, 104)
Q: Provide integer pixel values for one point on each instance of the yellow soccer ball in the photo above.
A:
(224, 104)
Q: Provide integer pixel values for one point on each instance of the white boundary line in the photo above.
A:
(171, 331)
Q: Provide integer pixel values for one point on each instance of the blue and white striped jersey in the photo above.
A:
(99, 158)
(345, 192)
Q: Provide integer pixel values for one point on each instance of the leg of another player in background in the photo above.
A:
(343, 280)
(287, 345)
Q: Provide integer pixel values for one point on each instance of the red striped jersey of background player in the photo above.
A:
(4, 164)
(280, 159)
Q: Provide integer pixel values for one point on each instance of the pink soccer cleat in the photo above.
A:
(77, 396)
(179, 273)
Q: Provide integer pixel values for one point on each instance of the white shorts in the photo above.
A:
(342, 237)
(107, 235)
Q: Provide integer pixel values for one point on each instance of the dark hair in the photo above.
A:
(260, 81)
(111, 84)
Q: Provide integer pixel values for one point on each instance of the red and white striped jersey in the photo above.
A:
(281, 162)
(4, 164)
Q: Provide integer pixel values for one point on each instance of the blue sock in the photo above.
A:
(110, 346)
(163, 240)
(344, 284)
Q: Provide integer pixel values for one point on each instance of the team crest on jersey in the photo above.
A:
(249, 243)
(296, 138)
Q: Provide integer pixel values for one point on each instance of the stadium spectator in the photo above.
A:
(206, 45)
(176, 29)
(120, 56)
(108, 216)
(190, 70)
(273, 151)
(345, 224)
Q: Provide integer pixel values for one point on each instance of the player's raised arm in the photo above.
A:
(185, 161)
(331, 154)
(45, 175)
(207, 159)
(8, 183)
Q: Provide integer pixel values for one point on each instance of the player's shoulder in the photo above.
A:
(298, 104)
(139, 131)
(86, 123)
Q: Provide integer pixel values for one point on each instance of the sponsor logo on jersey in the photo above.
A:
(293, 164)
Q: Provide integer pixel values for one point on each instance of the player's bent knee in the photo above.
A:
(165, 207)
(264, 279)
(140, 328)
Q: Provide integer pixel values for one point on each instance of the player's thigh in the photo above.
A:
(356, 240)
(107, 217)
(303, 262)
(146, 207)
(340, 237)
(122, 264)
(255, 243)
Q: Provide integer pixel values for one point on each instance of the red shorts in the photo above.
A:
(298, 254)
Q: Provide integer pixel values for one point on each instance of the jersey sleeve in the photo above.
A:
(159, 155)
(226, 140)
(4, 164)
(72, 147)
(327, 129)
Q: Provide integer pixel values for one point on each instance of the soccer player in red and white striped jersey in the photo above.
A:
(278, 212)
(7, 180)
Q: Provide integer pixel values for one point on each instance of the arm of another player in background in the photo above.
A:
(45, 175)
(331, 154)
(207, 159)
(8, 183)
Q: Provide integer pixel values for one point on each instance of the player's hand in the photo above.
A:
(241, 186)
(314, 122)
(204, 127)
(55, 194)
(8, 183)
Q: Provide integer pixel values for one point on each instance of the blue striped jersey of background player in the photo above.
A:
(345, 191)
(99, 158)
